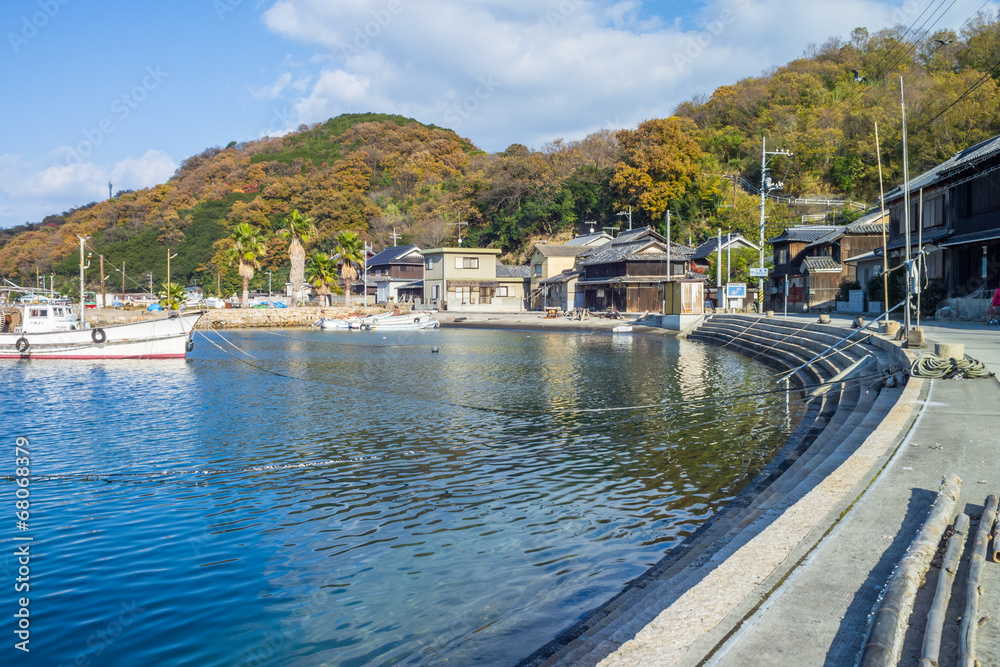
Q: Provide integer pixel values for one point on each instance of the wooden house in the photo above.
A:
(955, 207)
(393, 268)
(811, 259)
(628, 272)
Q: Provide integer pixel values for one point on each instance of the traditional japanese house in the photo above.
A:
(628, 273)
(392, 268)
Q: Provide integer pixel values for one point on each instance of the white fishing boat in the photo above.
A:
(51, 331)
(404, 322)
(367, 321)
(332, 323)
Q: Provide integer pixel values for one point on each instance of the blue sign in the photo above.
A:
(736, 290)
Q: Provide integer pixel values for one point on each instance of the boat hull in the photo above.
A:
(404, 322)
(162, 338)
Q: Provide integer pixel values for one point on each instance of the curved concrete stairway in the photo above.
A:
(839, 417)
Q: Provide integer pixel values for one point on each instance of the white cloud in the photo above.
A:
(34, 189)
(274, 90)
(563, 67)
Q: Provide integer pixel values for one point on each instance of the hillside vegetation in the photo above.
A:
(377, 174)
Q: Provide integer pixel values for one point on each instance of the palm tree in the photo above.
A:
(298, 228)
(321, 273)
(349, 253)
(247, 249)
(171, 296)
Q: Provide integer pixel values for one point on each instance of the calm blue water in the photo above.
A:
(205, 512)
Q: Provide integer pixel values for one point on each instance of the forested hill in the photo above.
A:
(375, 174)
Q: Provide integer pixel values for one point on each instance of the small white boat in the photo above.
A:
(331, 323)
(51, 331)
(404, 322)
(622, 328)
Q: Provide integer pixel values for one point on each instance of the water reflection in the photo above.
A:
(385, 504)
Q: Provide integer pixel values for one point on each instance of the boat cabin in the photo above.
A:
(38, 318)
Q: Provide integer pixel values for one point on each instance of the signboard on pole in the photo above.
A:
(757, 272)
(736, 290)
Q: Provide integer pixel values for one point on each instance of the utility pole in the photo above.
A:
(83, 239)
(765, 186)
(104, 296)
(269, 284)
(906, 207)
(884, 224)
(718, 267)
(459, 224)
(395, 237)
(629, 214)
(109, 190)
(364, 264)
(169, 257)
(668, 247)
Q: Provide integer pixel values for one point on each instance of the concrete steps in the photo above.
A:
(834, 424)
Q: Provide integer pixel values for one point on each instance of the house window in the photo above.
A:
(466, 262)
(501, 291)
(934, 212)
(430, 265)
(538, 269)
(464, 295)
(782, 255)
(436, 292)
(600, 294)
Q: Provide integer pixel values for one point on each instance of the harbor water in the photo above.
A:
(306, 497)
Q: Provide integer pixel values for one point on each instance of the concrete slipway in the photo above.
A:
(799, 588)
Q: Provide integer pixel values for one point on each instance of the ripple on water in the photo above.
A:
(204, 512)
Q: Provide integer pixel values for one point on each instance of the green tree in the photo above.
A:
(321, 273)
(298, 228)
(247, 249)
(349, 253)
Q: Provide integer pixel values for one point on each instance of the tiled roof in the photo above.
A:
(623, 280)
(517, 271)
(975, 237)
(563, 277)
(587, 239)
(561, 250)
(390, 255)
(804, 233)
(949, 167)
(633, 235)
(818, 264)
(618, 252)
(708, 247)
(414, 285)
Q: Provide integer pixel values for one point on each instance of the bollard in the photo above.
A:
(768, 313)
(950, 351)
(824, 319)
(916, 337)
(889, 328)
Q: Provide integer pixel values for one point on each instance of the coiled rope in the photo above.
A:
(930, 365)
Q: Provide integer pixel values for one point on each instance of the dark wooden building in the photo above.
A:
(955, 207)
(810, 258)
(628, 273)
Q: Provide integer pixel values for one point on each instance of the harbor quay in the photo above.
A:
(797, 581)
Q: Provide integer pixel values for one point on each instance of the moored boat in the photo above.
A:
(332, 323)
(50, 331)
(403, 322)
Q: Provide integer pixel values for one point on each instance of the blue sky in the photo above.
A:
(126, 91)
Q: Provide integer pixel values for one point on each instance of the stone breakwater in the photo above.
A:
(237, 318)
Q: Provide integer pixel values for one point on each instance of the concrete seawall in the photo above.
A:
(685, 607)
(235, 318)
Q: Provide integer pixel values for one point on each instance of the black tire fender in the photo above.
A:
(21, 344)
(98, 336)
(189, 344)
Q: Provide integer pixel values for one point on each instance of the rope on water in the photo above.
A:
(930, 365)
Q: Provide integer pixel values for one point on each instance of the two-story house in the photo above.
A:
(955, 207)
(394, 268)
(811, 260)
(628, 272)
(466, 279)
